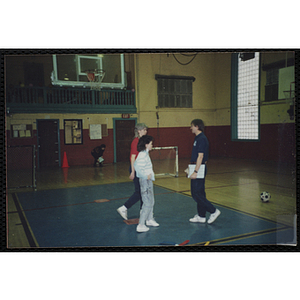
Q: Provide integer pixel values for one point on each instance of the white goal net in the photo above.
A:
(165, 161)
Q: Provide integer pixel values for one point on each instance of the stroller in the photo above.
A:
(97, 153)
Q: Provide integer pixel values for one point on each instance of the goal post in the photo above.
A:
(165, 161)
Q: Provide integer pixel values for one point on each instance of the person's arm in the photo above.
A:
(132, 160)
(140, 165)
(133, 156)
(198, 165)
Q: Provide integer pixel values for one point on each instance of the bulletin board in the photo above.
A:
(21, 131)
(95, 132)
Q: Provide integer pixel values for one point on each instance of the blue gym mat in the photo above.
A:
(71, 218)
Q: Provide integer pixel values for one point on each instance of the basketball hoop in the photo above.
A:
(95, 77)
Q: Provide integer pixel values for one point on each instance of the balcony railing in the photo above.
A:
(83, 100)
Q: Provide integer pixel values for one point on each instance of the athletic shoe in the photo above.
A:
(142, 228)
(123, 212)
(198, 219)
(213, 216)
(152, 223)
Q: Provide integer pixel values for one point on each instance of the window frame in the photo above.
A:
(234, 99)
(271, 85)
(175, 78)
(276, 66)
(81, 130)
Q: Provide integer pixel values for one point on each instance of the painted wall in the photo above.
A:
(76, 154)
(202, 68)
(14, 74)
(277, 143)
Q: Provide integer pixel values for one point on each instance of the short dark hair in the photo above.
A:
(143, 141)
(199, 123)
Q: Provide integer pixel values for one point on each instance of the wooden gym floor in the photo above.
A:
(63, 212)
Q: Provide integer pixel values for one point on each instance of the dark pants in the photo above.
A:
(137, 193)
(97, 161)
(199, 195)
(96, 157)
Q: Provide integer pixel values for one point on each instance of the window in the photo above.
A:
(71, 70)
(245, 97)
(279, 80)
(73, 132)
(271, 87)
(175, 91)
(279, 75)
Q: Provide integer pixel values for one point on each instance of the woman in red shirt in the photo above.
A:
(139, 130)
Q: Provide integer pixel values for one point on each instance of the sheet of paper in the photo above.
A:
(22, 133)
(201, 171)
(19, 127)
(95, 132)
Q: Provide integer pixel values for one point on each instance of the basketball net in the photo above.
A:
(95, 77)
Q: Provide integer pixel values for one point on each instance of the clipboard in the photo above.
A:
(201, 171)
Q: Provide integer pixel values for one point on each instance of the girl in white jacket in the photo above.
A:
(144, 171)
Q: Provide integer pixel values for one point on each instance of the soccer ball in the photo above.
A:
(265, 196)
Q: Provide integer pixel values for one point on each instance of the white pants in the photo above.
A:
(148, 200)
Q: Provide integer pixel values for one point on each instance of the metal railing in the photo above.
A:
(38, 99)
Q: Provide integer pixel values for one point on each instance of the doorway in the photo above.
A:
(48, 143)
(123, 136)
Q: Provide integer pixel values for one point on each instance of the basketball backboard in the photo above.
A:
(71, 70)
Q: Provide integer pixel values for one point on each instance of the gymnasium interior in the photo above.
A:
(60, 105)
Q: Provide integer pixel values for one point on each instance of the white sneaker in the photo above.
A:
(123, 212)
(198, 219)
(152, 223)
(142, 228)
(213, 216)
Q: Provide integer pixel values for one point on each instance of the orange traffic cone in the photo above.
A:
(65, 161)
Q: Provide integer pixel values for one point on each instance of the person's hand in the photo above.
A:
(131, 176)
(193, 176)
(149, 177)
(186, 171)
